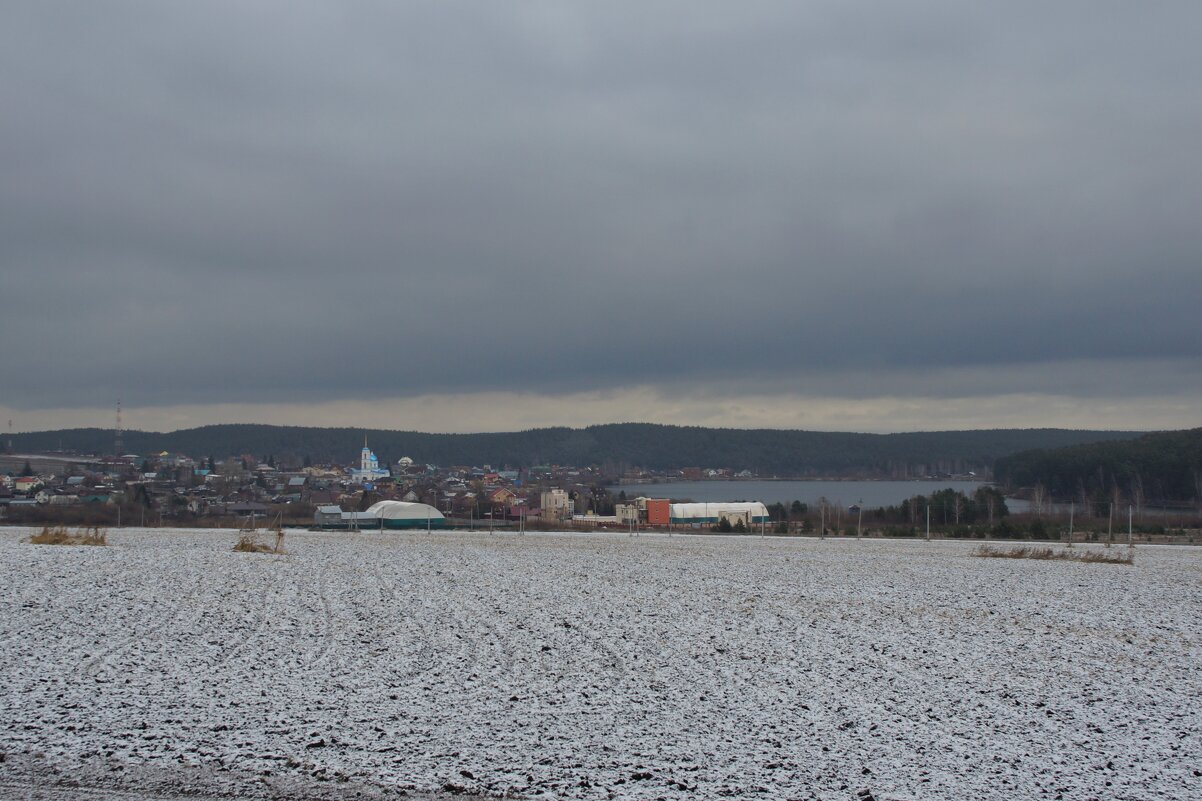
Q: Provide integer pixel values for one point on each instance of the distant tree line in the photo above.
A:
(1155, 468)
(765, 452)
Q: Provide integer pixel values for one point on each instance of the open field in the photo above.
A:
(594, 666)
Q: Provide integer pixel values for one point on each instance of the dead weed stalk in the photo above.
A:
(248, 543)
(1027, 552)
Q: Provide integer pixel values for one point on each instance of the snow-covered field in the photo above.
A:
(594, 666)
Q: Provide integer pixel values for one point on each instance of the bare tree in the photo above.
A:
(1038, 499)
(1198, 488)
(1137, 495)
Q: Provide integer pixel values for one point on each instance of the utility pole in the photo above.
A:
(860, 520)
(1130, 535)
(1071, 507)
(1110, 527)
(928, 522)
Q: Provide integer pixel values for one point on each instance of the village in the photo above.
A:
(172, 489)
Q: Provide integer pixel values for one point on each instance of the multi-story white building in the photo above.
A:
(556, 505)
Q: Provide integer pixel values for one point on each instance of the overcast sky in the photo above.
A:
(487, 216)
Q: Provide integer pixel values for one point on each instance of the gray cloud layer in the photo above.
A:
(238, 202)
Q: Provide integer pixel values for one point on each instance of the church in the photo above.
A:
(369, 467)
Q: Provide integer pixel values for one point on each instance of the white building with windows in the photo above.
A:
(557, 505)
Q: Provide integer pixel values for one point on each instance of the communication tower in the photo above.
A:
(118, 445)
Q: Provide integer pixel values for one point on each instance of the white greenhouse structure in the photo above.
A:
(712, 513)
(382, 515)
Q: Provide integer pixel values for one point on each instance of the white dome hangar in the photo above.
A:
(385, 514)
(402, 514)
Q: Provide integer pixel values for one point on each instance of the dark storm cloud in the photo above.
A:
(244, 202)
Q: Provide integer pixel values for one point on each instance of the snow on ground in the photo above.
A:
(595, 666)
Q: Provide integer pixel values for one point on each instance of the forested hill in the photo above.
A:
(766, 452)
(1160, 466)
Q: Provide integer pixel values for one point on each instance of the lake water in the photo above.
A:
(871, 494)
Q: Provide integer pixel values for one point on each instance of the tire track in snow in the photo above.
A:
(60, 615)
(505, 662)
(483, 615)
(615, 660)
(34, 632)
(460, 643)
(248, 634)
(413, 631)
(593, 623)
(321, 654)
(185, 605)
(559, 642)
(26, 615)
(454, 641)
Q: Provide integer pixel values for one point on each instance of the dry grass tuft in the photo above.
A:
(60, 535)
(1109, 558)
(1085, 555)
(248, 544)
